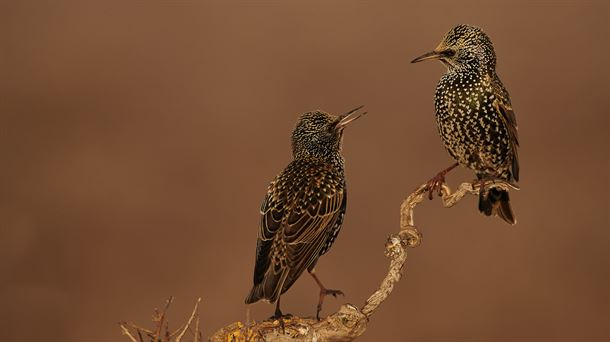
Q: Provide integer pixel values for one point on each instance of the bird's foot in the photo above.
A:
(436, 183)
(281, 315)
(281, 318)
(323, 293)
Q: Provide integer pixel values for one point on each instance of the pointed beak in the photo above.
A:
(348, 117)
(427, 56)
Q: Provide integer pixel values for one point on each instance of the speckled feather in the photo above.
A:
(303, 210)
(474, 113)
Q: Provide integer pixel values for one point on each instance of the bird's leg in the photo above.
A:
(323, 293)
(278, 312)
(437, 181)
(279, 315)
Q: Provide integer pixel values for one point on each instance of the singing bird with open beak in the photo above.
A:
(475, 117)
(303, 210)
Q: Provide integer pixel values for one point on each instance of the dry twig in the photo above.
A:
(162, 333)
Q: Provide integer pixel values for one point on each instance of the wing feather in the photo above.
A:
(504, 108)
(300, 209)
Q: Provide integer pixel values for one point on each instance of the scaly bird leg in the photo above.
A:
(436, 183)
(323, 293)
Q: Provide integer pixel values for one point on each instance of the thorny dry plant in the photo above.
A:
(350, 321)
(161, 331)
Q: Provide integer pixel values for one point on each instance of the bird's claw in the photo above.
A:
(324, 293)
(436, 183)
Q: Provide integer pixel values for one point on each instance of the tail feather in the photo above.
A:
(268, 289)
(497, 202)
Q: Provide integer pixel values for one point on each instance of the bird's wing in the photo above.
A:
(505, 109)
(319, 202)
(272, 215)
(300, 210)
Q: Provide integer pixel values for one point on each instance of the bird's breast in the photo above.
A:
(468, 122)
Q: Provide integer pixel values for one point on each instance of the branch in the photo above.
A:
(350, 321)
(190, 321)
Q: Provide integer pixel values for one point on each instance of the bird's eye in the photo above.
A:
(449, 53)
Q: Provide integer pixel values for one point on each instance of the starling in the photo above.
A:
(475, 117)
(303, 210)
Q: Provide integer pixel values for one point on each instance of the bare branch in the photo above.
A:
(197, 331)
(160, 318)
(138, 328)
(350, 321)
(450, 199)
(188, 324)
(126, 332)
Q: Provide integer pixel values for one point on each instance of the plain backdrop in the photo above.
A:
(137, 139)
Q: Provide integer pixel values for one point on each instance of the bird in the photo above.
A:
(303, 209)
(475, 117)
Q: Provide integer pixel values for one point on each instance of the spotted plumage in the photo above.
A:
(474, 114)
(303, 210)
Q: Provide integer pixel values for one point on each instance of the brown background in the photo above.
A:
(138, 138)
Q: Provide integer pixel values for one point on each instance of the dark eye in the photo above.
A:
(448, 53)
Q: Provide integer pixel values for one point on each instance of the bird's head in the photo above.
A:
(463, 47)
(320, 134)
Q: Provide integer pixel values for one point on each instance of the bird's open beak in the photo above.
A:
(427, 56)
(349, 117)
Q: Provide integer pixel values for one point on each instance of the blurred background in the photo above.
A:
(138, 139)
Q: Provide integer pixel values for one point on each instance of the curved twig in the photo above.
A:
(350, 321)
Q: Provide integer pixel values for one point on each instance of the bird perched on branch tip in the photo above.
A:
(475, 117)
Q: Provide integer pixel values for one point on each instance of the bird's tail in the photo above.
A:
(268, 289)
(497, 202)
